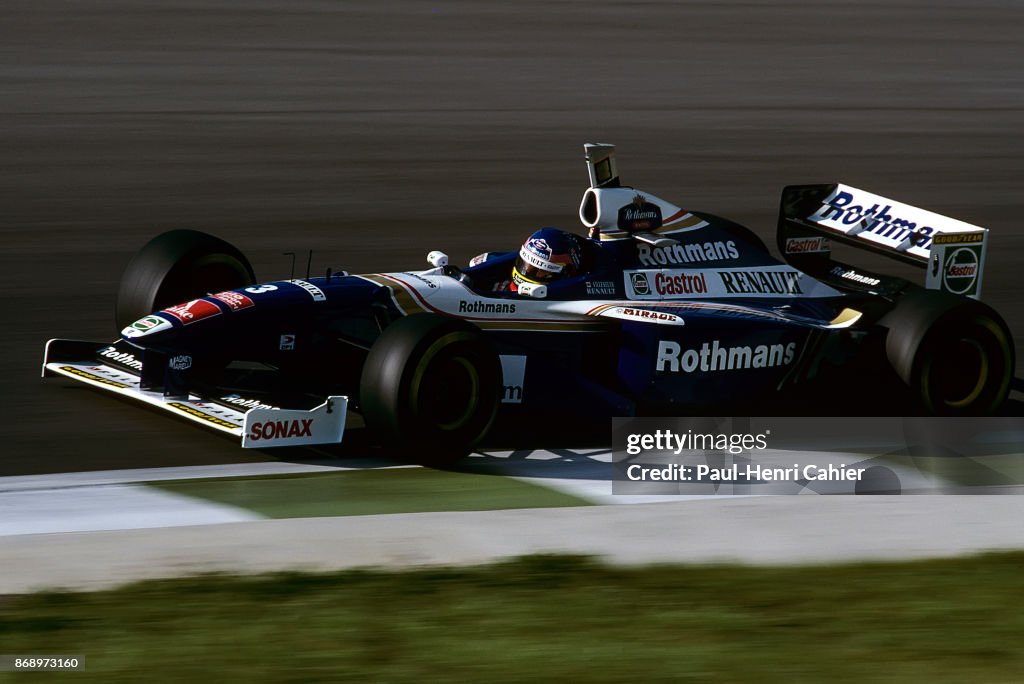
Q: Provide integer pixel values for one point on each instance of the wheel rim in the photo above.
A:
(449, 393)
(965, 367)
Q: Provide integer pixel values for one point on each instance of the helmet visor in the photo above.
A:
(534, 274)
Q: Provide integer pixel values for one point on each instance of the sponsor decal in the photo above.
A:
(234, 300)
(513, 374)
(762, 282)
(645, 314)
(315, 292)
(91, 376)
(805, 245)
(960, 272)
(260, 289)
(147, 323)
(146, 326)
(180, 363)
(712, 357)
(846, 213)
(850, 274)
(540, 247)
(676, 283)
(237, 400)
(766, 281)
(537, 253)
(195, 310)
(640, 284)
(429, 283)
(123, 358)
(479, 259)
(281, 429)
(692, 253)
(959, 238)
(601, 287)
(639, 216)
(486, 307)
(196, 413)
(286, 343)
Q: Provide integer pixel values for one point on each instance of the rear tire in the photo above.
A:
(175, 267)
(955, 354)
(430, 388)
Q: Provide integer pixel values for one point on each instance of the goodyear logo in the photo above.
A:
(196, 413)
(90, 376)
(959, 238)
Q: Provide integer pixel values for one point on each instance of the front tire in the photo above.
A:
(176, 267)
(430, 387)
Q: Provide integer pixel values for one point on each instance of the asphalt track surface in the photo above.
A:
(372, 132)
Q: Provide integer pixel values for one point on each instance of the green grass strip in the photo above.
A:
(366, 492)
(545, 618)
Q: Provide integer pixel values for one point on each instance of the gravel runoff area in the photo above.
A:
(770, 530)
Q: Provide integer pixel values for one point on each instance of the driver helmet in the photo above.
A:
(549, 254)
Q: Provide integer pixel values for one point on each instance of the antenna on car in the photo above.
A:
(309, 263)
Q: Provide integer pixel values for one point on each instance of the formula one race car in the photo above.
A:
(659, 311)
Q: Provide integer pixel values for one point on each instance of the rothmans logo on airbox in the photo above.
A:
(712, 357)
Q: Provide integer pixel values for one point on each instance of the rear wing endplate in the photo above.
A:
(953, 252)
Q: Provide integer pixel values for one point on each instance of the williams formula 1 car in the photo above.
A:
(671, 312)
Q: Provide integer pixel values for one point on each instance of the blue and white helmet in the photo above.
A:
(547, 255)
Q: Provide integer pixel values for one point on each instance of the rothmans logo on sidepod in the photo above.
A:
(961, 270)
(486, 307)
(712, 357)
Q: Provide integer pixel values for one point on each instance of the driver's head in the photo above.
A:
(547, 255)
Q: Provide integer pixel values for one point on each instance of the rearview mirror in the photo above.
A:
(437, 259)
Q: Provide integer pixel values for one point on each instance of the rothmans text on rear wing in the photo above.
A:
(951, 251)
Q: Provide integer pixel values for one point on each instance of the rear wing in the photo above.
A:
(953, 252)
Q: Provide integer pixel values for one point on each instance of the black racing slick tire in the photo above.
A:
(175, 267)
(430, 388)
(955, 354)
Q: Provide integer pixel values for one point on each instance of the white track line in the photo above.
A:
(109, 507)
(105, 477)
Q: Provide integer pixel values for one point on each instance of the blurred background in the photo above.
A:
(372, 132)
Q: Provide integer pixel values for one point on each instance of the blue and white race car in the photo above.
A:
(657, 310)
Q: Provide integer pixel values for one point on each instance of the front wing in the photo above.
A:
(258, 427)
